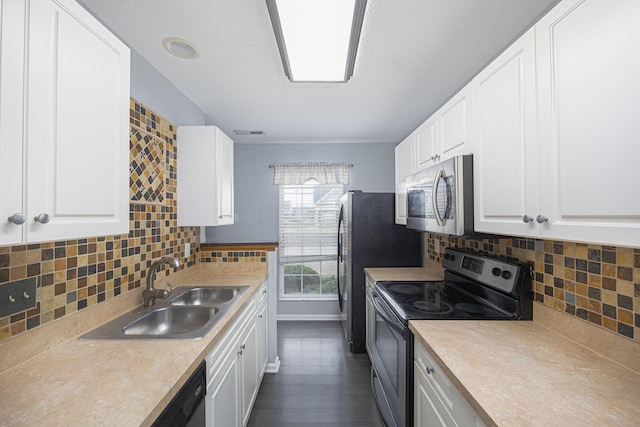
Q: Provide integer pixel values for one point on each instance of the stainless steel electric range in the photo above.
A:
(475, 287)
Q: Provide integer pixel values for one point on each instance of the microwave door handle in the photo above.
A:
(434, 197)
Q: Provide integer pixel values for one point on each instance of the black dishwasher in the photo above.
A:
(186, 409)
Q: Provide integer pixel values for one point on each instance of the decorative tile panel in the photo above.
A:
(147, 168)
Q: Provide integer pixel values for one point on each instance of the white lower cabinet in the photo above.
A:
(436, 400)
(262, 326)
(234, 368)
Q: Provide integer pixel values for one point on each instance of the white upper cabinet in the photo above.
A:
(12, 37)
(505, 160)
(454, 125)
(403, 169)
(445, 134)
(589, 107)
(205, 177)
(75, 151)
(567, 171)
(426, 144)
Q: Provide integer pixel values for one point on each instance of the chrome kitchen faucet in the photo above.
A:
(150, 294)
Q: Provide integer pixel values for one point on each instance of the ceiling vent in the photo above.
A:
(248, 132)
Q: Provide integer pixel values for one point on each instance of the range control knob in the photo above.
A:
(496, 271)
(506, 275)
(452, 257)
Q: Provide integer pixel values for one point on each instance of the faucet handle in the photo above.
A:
(165, 293)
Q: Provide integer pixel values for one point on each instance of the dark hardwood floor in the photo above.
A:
(320, 383)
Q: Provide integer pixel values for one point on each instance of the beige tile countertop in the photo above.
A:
(433, 271)
(527, 374)
(104, 382)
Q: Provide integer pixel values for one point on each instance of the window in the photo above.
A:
(308, 240)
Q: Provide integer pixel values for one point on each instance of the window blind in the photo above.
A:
(309, 222)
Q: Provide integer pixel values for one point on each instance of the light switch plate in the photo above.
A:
(17, 296)
(187, 250)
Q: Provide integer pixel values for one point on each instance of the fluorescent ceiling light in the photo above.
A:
(318, 39)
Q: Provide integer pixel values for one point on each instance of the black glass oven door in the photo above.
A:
(390, 353)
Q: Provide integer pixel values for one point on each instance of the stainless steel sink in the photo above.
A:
(171, 321)
(209, 296)
(193, 312)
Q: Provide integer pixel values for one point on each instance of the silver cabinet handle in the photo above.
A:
(43, 218)
(527, 219)
(541, 219)
(17, 218)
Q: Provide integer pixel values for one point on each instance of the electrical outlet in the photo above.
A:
(436, 246)
(187, 250)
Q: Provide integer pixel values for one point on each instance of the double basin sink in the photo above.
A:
(190, 312)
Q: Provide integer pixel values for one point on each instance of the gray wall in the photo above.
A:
(153, 89)
(256, 198)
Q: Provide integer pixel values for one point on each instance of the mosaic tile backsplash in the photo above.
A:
(598, 284)
(147, 168)
(75, 274)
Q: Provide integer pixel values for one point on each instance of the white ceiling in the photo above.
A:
(413, 55)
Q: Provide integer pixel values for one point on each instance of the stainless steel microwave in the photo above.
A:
(440, 198)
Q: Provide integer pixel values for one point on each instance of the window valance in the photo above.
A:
(299, 173)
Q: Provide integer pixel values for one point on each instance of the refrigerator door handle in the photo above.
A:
(340, 221)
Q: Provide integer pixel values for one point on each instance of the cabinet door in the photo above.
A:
(454, 125)
(222, 404)
(426, 151)
(249, 370)
(403, 168)
(205, 154)
(262, 323)
(589, 99)
(428, 410)
(224, 166)
(12, 36)
(78, 124)
(505, 145)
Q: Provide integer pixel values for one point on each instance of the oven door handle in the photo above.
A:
(382, 312)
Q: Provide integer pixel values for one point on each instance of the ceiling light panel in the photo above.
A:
(317, 39)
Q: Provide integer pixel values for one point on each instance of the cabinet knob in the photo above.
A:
(429, 369)
(527, 219)
(541, 219)
(43, 218)
(260, 316)
(17, 218)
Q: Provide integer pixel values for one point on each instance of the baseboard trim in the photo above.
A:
(273, 368)
(307, 317)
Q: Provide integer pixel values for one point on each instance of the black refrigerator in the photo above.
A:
(368, 237)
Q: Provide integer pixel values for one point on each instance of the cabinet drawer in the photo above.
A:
(261, 296)
(230, 337)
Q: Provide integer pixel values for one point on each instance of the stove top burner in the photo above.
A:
(431, 307)
(471, 308)
(405, 289)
